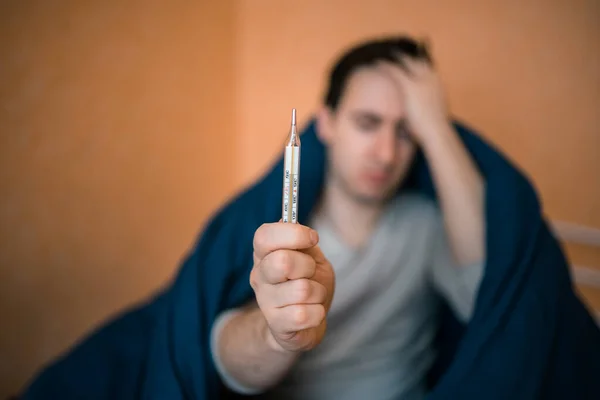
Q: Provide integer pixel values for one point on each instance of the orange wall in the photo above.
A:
(108, 110)
(525, 73)
(107, 167)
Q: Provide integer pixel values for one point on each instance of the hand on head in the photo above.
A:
(293, 283)
(421, 86)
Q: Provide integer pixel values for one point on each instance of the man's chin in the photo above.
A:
(368, 195)
(373, 199)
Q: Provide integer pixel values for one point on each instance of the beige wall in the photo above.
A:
(107, 112)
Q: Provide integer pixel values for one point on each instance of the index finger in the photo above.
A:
(400, 71)
(275, 236)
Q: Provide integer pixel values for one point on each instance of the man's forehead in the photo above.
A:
(370, 91)
(373, 115)
(366, 78)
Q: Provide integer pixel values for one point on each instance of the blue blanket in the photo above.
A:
(530, 337)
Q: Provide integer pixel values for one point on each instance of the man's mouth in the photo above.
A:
(378, 177)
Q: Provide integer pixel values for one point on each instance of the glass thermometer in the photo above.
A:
(291, 175)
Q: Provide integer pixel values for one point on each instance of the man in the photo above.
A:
(388, 258)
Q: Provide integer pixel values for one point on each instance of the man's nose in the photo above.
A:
(386, 148)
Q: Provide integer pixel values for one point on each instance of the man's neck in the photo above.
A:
(353, 221)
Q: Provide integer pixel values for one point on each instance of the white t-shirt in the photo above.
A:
(384, 314)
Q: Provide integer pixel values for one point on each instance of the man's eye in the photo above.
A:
(366, 125)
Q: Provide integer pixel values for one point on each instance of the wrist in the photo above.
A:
(435, 135)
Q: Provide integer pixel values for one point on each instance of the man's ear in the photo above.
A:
(324, 123)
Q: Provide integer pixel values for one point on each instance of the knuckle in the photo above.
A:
(282, 257)
(253, 279)
(318, 316)
(300, 316)
(282, 262)
(261, 237)
(303, 289)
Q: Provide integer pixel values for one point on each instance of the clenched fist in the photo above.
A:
(293, 283)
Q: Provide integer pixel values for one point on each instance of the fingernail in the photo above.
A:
(314, 236)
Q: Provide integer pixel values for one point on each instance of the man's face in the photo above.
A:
(370, 149)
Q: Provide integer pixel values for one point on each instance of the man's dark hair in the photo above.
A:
(367, 54)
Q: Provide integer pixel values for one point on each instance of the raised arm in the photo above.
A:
(460, 189)
(459, 184)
